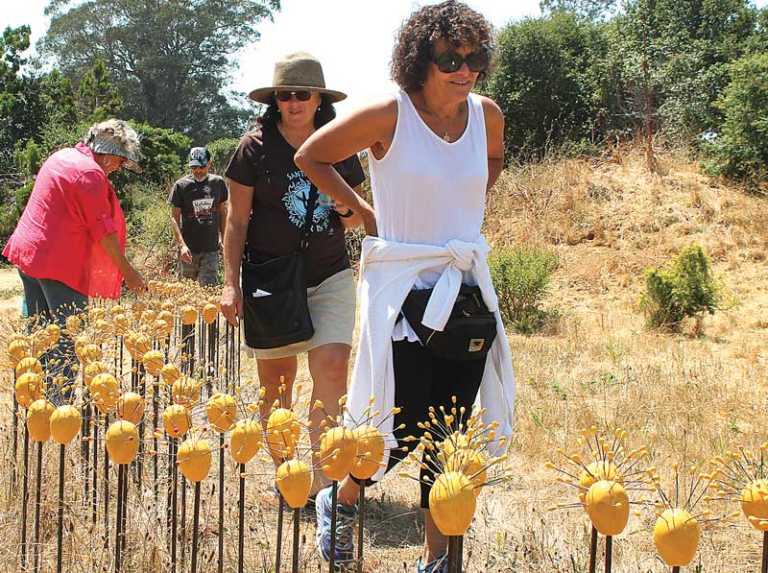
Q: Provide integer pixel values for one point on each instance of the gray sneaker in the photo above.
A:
(345, 528)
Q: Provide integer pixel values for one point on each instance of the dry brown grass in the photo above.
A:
(688, 398)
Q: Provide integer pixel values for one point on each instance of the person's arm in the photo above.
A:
(133, 279)
(184, 253)
(494, 129)
(223, 208)
(339, 139)
(349, 219)
(238, 215)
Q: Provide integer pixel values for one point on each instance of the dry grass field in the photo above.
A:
(688, 396)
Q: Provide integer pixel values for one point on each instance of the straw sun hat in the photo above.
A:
(296, 72)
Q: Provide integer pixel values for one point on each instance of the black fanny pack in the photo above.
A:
(275, 306)
(469, 332)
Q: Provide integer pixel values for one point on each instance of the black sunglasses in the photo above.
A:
(302, 95)
(450, 61)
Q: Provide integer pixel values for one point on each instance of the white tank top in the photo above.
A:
(427, 190)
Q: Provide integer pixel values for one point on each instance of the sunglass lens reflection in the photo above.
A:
(286, 95)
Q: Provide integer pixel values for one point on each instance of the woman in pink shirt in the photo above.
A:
(69, 244)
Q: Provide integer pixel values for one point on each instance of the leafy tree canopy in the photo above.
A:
(170, 61)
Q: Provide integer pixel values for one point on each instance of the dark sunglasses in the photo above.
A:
(449, 61)
(286, 95)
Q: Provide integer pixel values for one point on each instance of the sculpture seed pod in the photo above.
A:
(29, 387)
(102, 327)
(122, 441)
(458, 455)
(338, 452)
(283, 431)
(65, 424)
(607, 505)
(176, 420)
(210, 312)
(153, 361)
(294, 480)
(676, 536)
(222, 411)
(73, 324)
(194, 458)
(370, 452)
(39, 420)
(40, 341)
(598, 470)
(54, 334)
(186, 391)
(28, 364)
(105, 390)
(452, 503)
(121, 324)
(130, 407)
(188, 315)
(170, 373)
(147, 317)
(754, 504)
(91, 370)
(245, 441)
(18, 349)
(91, 353)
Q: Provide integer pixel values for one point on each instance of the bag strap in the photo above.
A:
(306, 230)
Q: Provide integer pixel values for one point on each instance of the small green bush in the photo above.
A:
(521, 276)
(221, 152)
(684, 288)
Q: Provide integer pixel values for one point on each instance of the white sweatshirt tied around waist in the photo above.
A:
(389, 271)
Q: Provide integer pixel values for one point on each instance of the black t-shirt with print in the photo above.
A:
(280, 196)
(199, 203)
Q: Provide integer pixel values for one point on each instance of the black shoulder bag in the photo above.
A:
(469, 332)
(275, 294)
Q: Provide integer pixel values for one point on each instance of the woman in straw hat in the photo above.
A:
(434, 150)
(272, 204)
(69, 243)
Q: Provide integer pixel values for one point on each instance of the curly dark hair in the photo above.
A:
(454, 22)
(272, 114)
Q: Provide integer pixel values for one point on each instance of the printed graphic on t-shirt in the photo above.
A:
(203, 209)
(296, 199)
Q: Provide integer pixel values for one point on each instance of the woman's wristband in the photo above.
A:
(346, 215)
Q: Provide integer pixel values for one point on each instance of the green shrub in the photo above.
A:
(741, 150)
(521, 276)
(221, 152)
(683, 288)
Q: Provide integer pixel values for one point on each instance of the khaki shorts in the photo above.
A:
(204, 268)
(332, 308)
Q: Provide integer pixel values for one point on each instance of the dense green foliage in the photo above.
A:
(741, 151)
(590, 71)
(169, 61)
(684, 288)
(521, 276)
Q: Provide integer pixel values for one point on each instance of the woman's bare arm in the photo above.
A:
(494, 129)
(370, 126)
(238, 215)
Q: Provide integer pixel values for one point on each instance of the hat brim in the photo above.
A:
(264, 95)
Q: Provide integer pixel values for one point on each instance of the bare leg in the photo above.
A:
(435, 543)
(328, 365)
(272, 373)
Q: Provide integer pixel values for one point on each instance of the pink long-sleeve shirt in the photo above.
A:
(71, 209)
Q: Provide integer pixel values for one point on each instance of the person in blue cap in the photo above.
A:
(198, 215)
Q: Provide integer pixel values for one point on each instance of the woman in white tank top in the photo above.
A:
(434, 149)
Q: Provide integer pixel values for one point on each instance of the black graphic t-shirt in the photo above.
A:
(281, 191)
(199, 203)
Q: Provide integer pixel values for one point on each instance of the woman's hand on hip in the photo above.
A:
(232, 303)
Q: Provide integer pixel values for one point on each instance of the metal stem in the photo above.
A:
(593, 551)
(119, 517)
(360, 526)
(764, 567)
(38, 489)
(221, 503)
(608, 553)
(95, 492)
(241, 523)
(334, 502)
(279, 549)
(195, 526)
(60, 525)
(296, 524)
(24, 500)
